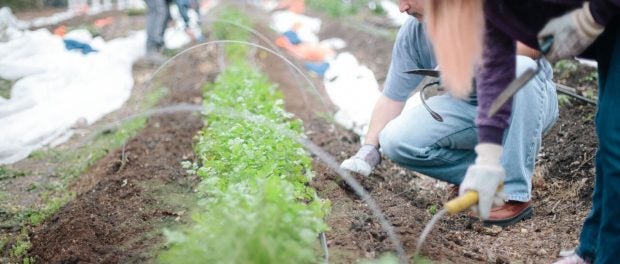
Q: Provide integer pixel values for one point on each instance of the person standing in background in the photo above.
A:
(157, 18)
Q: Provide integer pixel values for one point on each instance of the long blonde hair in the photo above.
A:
(455, 28)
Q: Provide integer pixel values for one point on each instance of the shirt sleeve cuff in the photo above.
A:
(603, 11)
(490, 134)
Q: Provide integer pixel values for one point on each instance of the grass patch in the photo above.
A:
(19, 249)
(136, 11)
(74, 163)
(51, 206)
(9, 173)
(5, 88)
(71, 164)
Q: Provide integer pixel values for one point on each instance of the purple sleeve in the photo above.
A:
(494, 74)
(604, 11)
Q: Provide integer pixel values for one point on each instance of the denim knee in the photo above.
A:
(390, 143)
(399, 148)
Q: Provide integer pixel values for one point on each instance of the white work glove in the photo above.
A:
(364, 161)
(572, 33)
(484, 177)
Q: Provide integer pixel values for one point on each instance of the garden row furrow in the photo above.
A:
(256, 203)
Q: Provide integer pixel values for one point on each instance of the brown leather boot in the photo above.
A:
(510, 213)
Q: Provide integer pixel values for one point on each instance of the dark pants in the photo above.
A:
(600, 236)
(156, 22)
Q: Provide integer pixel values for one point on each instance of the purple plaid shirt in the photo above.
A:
(508, 21)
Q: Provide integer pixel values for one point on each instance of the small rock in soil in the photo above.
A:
(492, 231)
(542, 252)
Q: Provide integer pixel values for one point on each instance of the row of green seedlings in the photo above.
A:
(257, 206)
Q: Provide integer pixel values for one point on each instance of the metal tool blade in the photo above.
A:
(424, 72)
(512, 88)
(518, 83)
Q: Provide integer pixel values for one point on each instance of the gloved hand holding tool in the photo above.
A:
(481, 189)
(364, 161)
(573, 33)
(486, 177)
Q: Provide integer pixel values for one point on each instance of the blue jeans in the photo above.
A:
(600, 236)
(444, 150)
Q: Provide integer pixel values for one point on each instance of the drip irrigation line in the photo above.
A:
(359, 190)
(221, 61)
(323, 238)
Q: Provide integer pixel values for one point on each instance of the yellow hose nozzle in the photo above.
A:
(462, 202)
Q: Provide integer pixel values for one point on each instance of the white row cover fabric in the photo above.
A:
(354, 89)
(55, 88)
(393, 12)
(306, 27)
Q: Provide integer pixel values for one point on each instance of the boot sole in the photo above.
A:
(526, 214)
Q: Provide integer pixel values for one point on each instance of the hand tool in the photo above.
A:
(431, 77)
(518, 83)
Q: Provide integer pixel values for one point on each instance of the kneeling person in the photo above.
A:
(444, 150)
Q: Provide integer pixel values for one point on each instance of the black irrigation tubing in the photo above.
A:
(567, 90)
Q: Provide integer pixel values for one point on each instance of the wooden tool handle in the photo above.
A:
(462, 202)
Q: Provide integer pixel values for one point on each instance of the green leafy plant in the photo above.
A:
(257, 206)
(225, 31)
(565, 66)
(564, 99)
(385, 259)
(590, 94)
(8, 173)
(376, 7)
(5, 88)
(432, 209)
(136, 11)
(590, 77)
(20, 248)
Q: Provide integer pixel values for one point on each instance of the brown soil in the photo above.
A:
(130, 192)
(116, 216)
(126, 198)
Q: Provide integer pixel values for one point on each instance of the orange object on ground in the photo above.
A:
(99, 23)
(295, 6)
(311, 52)
(283, 42)
(305, 51)
(60, 31)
